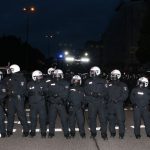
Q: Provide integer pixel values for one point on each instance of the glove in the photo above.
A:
(67, 107)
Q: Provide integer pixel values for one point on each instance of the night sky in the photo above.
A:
(72, 21)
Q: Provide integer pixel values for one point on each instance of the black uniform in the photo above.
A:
(96, 96)
(58, 93)
(140, 98)
(16, 87)
(118, 93)
(48, 79)
(76, 102)
(2, 112)
(37, 91)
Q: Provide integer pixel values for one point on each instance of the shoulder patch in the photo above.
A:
(125, 88)
(90, 82)
(53, 84)
(140, 93)
(73, 90)
(48, 81)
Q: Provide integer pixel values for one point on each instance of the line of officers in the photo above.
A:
(53, 95)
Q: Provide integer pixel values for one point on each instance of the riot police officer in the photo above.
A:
(140, 98)
(76, 102)
(118, 93)
(2, 111)
(48, 81)
(50, 71)
(36, 91)
(96, 96)
(16, 89)
(49, 76)
(58, 93)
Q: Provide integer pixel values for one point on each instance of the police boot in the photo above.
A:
(72, 134)
(113, 135)
(67, 136)
(9, 133)
(104, 136)
(43, 134)
(32, 133)
(138, 136)
(121, 136)
(50, 135)
(25, 134)
(148, 135)
(82, 135)
(3, 135)
(93, 135)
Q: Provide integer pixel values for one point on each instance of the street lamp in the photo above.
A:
(49, 37)
(52, 39)
(86, 54)
(66, 53)
(28, 10)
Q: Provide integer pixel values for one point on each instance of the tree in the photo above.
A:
(14, 50)
(143, 52)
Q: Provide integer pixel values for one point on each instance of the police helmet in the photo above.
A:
(50, 71)
(76, 79)
(14, 68)
(95, 71)
(143, 81)
(37, 75)
(115, 74)
(58, 73)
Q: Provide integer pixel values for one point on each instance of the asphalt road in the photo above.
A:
(17, 142)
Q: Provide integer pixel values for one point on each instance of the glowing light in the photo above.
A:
(32, 9)
(60, 56)
(69, 59)
(29, 9)
(84, 59)
(86, 54)
(66, 53)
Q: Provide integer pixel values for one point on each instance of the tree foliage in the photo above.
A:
(14, 50)
(143, 52)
